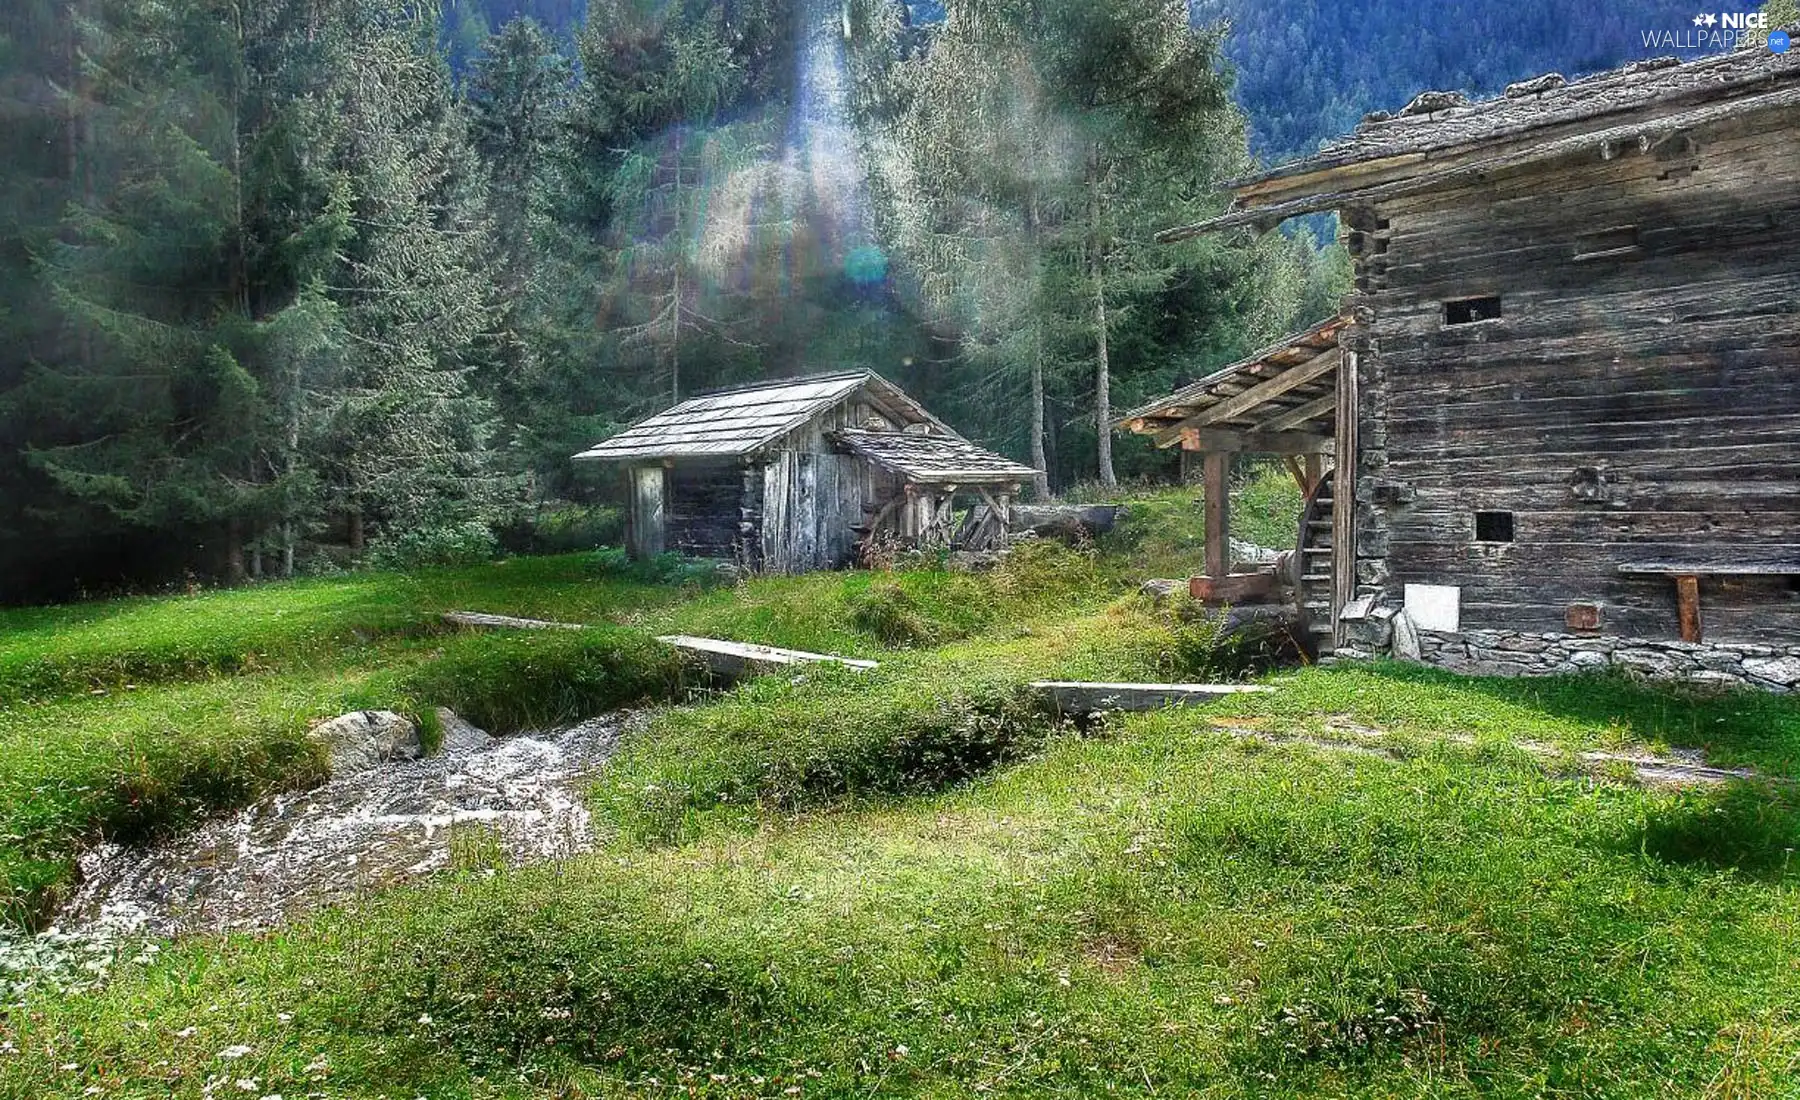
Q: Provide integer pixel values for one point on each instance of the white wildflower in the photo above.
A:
(234, 1052)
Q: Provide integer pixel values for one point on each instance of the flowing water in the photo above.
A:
(479, 799)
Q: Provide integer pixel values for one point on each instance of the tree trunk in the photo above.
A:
(354, 521)
(1102, 382)
(234, 550)
(1040, 481)
(1102, 367)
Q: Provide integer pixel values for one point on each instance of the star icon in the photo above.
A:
(1711, 19)
(1699, 20)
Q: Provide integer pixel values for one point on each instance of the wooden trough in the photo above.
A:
(1074, 697)
(732, 661)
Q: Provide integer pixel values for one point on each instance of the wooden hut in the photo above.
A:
(1567, 422)
(796, 475)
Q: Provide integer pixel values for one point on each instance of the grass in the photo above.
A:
(910, 882)
(105, 646)
(1162, 910)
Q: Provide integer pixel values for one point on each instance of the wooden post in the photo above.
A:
(1218, 513)
(1343, 495)
(1315, 472)
(644, 530)
(1687, 599)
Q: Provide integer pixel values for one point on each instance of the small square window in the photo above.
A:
(1493, 526)
(1467, 311)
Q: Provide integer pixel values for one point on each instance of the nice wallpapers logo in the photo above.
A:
(1720, 31)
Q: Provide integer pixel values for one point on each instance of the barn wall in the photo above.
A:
(813, 497)
(1630, 408)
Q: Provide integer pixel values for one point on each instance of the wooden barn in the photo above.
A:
(1566, 429)
(796, 475)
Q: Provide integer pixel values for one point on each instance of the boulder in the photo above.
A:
(365, 739)
(1069, 522)
(1159, 590)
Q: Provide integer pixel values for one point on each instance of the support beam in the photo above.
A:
(1255, 443)
(1687, 601)
(1294, 467)
(1299, 414)
(1218, 513)
(1315, 472)
(1232, 407)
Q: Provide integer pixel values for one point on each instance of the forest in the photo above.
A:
(294, 285)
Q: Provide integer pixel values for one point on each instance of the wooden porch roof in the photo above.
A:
(1282, 400)
(934, 459)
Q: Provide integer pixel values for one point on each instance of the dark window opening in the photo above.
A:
(1467, 311)
(1493, 526)
(1619, 241)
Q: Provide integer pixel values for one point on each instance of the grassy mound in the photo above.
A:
(838, 736)
(80, 648)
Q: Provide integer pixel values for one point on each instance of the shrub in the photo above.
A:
(836, 736)
(942, 609)
(535, 678)
(468, 542)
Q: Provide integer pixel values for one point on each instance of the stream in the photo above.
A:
(480, 801)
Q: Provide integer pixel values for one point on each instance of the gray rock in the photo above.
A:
(1527, 643)
(1720, 660)
(365, 739)
(1586, 659)
(1534, 86)
(1406, 638)
(1777, 670)
(1426, 103)
(1158, 590)
(1593, 645)
(460, 735)
(1652, 662)
(1374, 633)
(1248, 553)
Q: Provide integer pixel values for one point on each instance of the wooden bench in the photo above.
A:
(1686, 576)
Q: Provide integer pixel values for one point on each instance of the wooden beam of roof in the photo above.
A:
(1224, 440)
(1263, 391)
(1298, 415)
(1643, 133)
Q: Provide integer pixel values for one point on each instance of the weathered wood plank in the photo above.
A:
(478, 620)
(735, 660)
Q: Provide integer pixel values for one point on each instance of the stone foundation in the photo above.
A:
(1514, 653)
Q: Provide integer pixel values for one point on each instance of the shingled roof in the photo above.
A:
(1233, 398)
(740, 421)
(933, 459)
(1441, 136)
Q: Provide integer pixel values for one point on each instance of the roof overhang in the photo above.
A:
(1626, 110)
(1281, 400)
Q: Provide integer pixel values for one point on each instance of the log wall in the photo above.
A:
(703, 502)
(1638, 404)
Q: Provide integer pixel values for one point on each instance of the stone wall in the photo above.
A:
(1516, 653)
